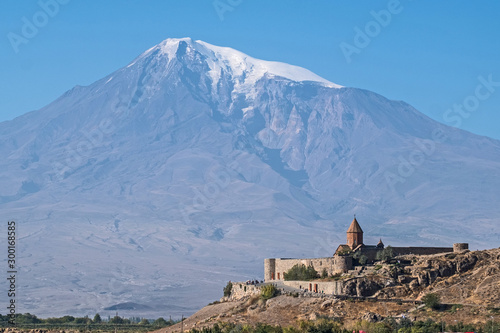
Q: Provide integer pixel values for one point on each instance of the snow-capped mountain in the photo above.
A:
(244, 70)
(185, 169)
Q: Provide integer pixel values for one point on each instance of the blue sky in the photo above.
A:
(434, 56)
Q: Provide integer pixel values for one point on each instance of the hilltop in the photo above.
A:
(468, 284)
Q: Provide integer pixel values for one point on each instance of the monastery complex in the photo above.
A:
(343, 258)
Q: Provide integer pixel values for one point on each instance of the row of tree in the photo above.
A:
(29, 319)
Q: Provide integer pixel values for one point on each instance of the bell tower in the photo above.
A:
(354, 234)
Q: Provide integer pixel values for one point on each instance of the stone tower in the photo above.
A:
(459, 247)
(354, 234)
(269, 269)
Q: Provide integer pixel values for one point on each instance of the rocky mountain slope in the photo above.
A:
(192, 164)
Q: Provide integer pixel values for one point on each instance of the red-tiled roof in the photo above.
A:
(343, 248)
(355, 227)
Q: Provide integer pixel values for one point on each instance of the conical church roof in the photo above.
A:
(380, 243)
(354, 227)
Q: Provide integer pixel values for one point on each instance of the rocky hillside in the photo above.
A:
(470, 279)
(464, 278)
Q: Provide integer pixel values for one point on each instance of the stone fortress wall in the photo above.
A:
(241, 289)
(371, 253)
(327, 287)
(275, 268)
(399, 251)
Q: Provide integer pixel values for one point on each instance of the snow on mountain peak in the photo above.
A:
(241, 62)
(245, 69)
